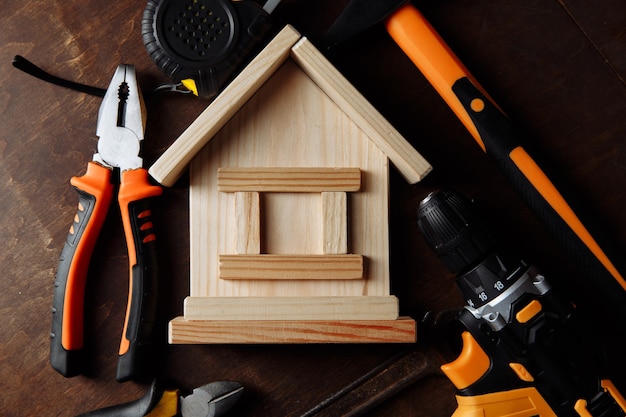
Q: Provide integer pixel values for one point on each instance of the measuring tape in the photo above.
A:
(202, 44)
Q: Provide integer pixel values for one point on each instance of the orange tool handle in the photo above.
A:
(95, 192)
(500, 139)
(136, 198)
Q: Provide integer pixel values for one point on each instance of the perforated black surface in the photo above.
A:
(198, 30)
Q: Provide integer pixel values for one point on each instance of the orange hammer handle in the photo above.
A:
(504, 142)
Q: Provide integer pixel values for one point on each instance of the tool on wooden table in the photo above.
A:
(526, 350)
(496, 134)
(120, 128)
(385, 380)
(210, 400)
(202, 44)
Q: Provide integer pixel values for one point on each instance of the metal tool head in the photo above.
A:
(357, 17)
(211, 400)
(121, 121)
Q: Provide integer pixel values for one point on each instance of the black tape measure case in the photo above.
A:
(203, 43)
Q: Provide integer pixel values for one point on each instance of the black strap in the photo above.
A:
(28, 67)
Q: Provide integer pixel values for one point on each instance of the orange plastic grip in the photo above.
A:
(434, 58)
(471, 365)
(97, 183)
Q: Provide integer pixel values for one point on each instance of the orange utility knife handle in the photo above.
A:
(500, 139)
(95, 192)
(136, 199)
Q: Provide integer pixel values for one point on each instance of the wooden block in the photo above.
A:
(248, 218)
(291, 267)
(291, 308)
(168, 168)
(335, 222)
(405, 158)
(185, 331)
(292, 180)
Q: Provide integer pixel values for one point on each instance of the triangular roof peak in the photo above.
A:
(289, 44)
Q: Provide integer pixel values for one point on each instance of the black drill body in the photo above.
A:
(533, 339)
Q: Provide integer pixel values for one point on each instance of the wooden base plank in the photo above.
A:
(291, 308)
(184, 331)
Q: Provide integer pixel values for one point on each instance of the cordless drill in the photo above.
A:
(525, 350)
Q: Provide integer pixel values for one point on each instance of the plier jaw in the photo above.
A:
(121, 122)
(210, 400)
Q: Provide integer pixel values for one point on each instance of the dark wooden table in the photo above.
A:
(558, 67)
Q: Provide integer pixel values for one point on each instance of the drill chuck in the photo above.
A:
(453, 229)
(488, 272)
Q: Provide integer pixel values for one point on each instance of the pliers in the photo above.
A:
(120, 128)
(210, 400)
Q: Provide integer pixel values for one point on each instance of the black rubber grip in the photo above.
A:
(68, 362)
(142, 314)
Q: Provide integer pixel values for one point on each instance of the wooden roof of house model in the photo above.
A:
(289, 44)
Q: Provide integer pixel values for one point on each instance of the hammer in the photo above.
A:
(494, 132)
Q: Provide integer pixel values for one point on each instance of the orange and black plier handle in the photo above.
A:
(121, 123)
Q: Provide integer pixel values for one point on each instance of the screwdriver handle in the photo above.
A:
(499, 138)
(95, 192)
(136, 198)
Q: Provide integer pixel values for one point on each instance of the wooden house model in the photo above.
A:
(289, 239)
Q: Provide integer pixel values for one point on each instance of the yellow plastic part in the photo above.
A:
(531, 310)
(581, 408)
(581, 405)
(167, 406)
(190, 85)
(470, 366)
(523, 402)
(617, 396)
(522, 372)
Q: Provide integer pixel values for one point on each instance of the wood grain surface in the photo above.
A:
(557, 67)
